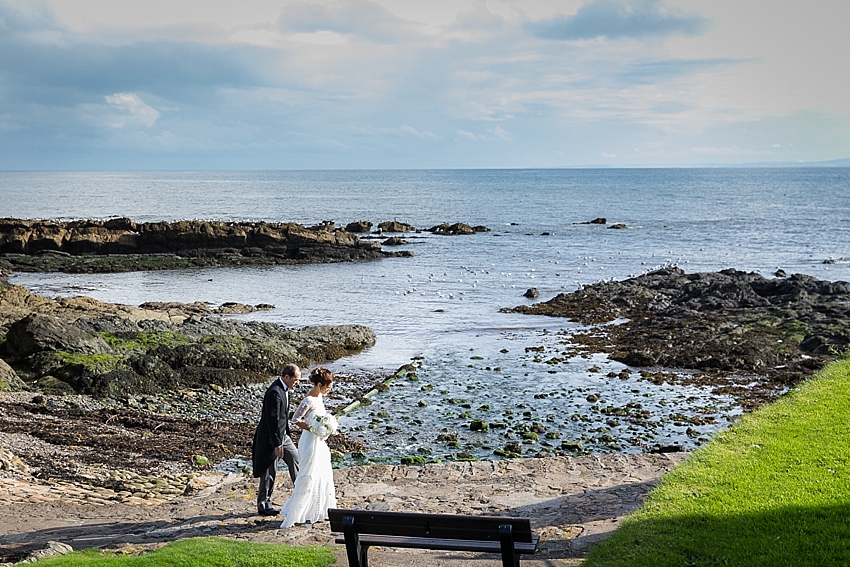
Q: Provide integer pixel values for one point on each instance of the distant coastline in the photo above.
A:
(843, 162)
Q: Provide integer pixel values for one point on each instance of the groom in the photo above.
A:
(271, 439)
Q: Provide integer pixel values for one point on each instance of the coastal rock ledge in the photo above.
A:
(84, 346)
(743, 333)
(116, 245)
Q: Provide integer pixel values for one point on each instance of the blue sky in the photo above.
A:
(261, 84)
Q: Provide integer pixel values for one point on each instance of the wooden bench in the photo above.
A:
(511, 537)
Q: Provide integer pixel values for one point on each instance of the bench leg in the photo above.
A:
(357, 553)
(506, 538)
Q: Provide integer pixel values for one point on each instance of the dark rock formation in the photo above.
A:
(113, 350)
(395, 226)
(395, 241)
(359, 226)
(599, 220)
(446, 229)
(728, 324)
(9, 381)
(37, 333)
(618, 225)
(88, 246)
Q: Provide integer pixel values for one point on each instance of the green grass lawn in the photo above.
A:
(773, 490)
(202, 552)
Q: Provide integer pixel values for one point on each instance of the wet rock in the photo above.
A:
(598, 220)
(618, 225)
(572, 446)
(233, 308)
(91, 246)
(359, 226)
(395, 226)
(9, 380)
(667, 449)
(53, 385)
(395, 241)
(152, 355)
(724, 324)
(198, 308)
(531, 293)
(445, 229)
(52, 549)
(37, 333)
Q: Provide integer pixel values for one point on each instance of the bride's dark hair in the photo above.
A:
(321, 376)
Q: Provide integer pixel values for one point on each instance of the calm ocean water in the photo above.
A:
(443, 303)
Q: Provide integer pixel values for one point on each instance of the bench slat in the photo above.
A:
(432, 526)
(442, 543)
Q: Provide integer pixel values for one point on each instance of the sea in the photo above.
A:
(440, 309)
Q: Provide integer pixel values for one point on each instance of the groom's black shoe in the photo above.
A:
(267, 510)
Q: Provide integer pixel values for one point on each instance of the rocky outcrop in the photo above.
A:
(9, 381)
(102, 349)
(37, 333)
(446, 229)
(359, 226)
(723, 324)
(123, 245)
(395, 226)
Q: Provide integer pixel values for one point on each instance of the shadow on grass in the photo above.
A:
(799, 536)
(14, 547)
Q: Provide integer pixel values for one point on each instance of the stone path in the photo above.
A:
(573, 502)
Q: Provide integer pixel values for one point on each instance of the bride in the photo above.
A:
(314, 487)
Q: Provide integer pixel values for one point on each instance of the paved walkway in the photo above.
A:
(572, 502)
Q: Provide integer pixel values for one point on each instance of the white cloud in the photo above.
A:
(129, 110)
(621, 19)
(500, 134)
(323, 37)
(414, 132)
(732, 151)
(321, 75)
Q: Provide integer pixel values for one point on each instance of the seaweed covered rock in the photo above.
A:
(726, 323)
(9, 381)
(36, 333)
(92, 246)
(149, 357)
(83, 345)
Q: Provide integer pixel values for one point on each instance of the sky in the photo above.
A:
(354, 84)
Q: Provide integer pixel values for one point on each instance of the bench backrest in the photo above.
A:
(445, 526)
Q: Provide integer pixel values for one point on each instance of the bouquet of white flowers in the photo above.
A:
(323, 426)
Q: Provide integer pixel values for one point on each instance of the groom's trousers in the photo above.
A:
(268, 477)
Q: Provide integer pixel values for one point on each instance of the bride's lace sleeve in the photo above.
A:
(305, 408)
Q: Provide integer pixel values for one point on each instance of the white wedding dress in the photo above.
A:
(314, 486)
